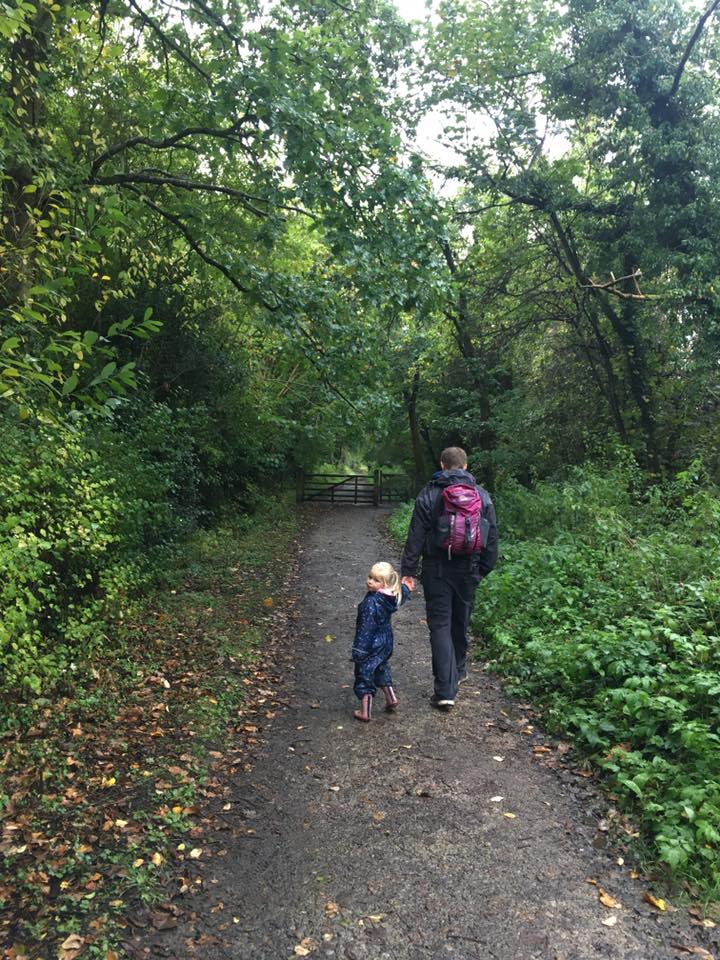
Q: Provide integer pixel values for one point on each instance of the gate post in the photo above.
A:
(300, 487)
(377, 488)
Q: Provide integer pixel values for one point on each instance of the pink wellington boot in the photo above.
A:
(391, 701)
(365, 711)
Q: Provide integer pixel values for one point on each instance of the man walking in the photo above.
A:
(453, 528)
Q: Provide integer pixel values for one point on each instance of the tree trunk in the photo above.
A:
(610, 391)
(432, 453)
(411, 394)
(460, 317)
(28, 55)
(624, 327)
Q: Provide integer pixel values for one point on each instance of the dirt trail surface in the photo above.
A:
(418, 836)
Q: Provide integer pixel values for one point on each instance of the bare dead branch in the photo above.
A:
(612, 286)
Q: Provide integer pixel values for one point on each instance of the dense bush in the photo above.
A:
(86, 514)
(605, 609)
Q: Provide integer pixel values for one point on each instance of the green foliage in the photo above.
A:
(583, 298)
(606, 611)
(87, 515)
(137, 148)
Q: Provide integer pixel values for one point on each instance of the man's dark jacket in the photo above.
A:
(422, 525)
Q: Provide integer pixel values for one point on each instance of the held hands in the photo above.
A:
(409, 582)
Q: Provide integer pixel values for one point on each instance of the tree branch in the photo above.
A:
(212, 262)
(217, 19)
(460, 214)
(171, 141)
(168, 41)
(166, 179)
(689, 48)
(179, 225)
(342, 6)
(611, 286)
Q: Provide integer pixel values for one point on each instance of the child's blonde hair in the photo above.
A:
(389, 576)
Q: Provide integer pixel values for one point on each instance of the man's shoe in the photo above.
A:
(442, 703)
(463, 677)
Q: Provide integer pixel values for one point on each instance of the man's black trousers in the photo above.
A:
(449, 599)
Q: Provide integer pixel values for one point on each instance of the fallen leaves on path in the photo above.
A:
(112, 763)
(163, 921)
(698, 918)
(697, 951)
(656, 902)
(608, 901)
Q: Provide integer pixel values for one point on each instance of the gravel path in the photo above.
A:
(418, 836)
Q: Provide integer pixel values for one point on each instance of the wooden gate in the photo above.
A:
(354, 488)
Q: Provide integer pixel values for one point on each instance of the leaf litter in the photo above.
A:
(134, 738)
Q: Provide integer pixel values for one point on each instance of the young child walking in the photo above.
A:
(373, 644)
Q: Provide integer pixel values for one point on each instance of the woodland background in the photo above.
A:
(226, 257)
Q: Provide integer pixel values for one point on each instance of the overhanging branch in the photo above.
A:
(179, 225)
(212, 262)
(164, 179)
(225, 133)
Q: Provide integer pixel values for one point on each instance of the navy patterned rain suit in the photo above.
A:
(373, 643)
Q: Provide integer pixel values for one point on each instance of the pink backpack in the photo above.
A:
(460, 524)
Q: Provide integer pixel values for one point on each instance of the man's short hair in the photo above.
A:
(453, 458)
